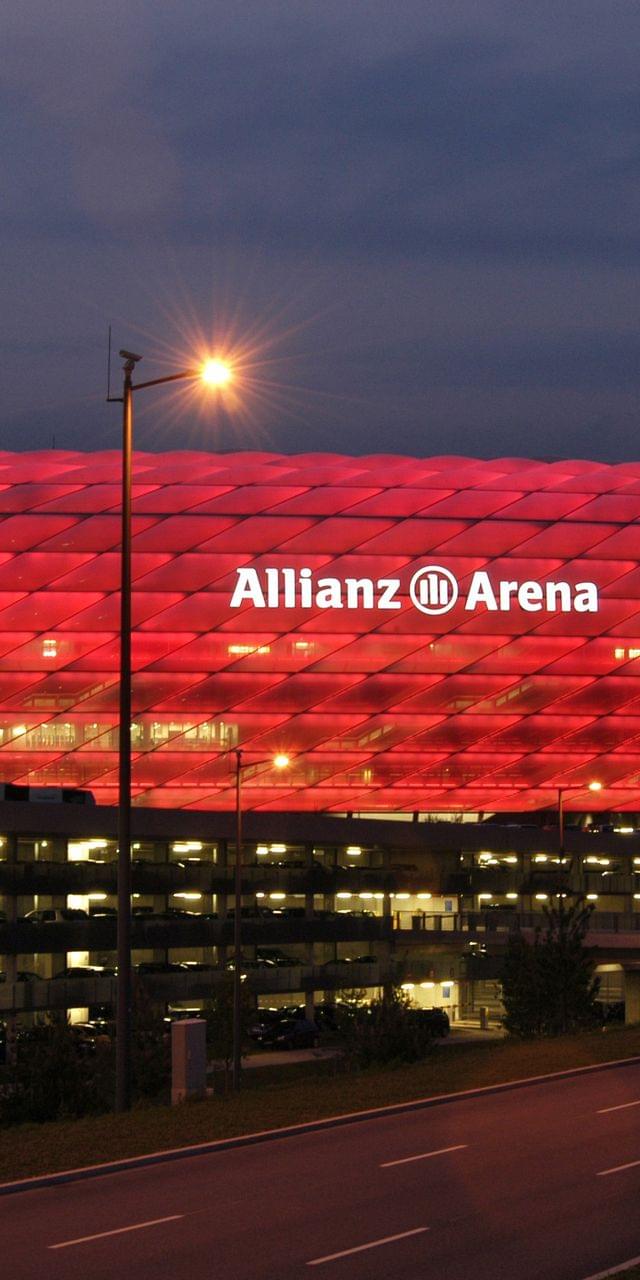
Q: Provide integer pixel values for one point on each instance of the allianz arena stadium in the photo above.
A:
(419, 635)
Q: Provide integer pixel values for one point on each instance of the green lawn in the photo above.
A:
(272, 1102)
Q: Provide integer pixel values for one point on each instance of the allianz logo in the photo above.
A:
(433, 590)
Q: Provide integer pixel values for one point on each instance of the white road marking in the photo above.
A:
(615, 1271)
(633, 1164)
(426, 1155)
(373, 1244)
(621, 1107)
(118, 1231)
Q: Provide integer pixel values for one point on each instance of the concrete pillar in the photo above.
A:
(632, 995)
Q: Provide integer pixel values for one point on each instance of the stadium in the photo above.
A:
(444, 648)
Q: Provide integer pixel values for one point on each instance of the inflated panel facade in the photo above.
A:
(416, 634)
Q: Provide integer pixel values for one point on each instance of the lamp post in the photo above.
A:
(216, 374)
(591, 786)
(280, 761)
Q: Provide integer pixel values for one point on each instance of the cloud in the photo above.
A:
(461, 177)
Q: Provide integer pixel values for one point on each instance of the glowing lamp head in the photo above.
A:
(215, 373)
(595, 786)
(281, 761)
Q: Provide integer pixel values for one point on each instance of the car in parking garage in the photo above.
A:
(55, 915)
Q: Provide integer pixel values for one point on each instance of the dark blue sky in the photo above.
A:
(416, 222)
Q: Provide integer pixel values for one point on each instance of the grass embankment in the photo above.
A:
(633, 1274)
(271, 1103)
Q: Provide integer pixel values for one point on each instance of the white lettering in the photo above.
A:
(586, 600)
(289, 579)
(306, 589)
(433, 589)
(558, 597)
(506, 590)
(356, 587)
(530, 597)
(273, 596)
(329, 593)
(248, 588)
(481, 592)
(388, 588)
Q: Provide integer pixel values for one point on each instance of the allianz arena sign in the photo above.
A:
(433, 590)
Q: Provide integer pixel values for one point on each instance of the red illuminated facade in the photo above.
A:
(418, 634)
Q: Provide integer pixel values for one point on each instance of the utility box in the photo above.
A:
(188, 1059)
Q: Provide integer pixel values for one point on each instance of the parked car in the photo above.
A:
(90, 1036)
(56, 915)
(436, 1019)
(265, 1020)
(288, 1033)
(86, 971)
(22, 975)
(158, 966)
(274, 956)
(249, 964)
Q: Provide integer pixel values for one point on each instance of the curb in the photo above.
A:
(296, 1130)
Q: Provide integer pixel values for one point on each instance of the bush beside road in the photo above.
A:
(30, 1149)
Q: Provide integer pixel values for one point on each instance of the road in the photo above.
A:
(539, 1183)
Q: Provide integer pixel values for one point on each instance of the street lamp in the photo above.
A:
(591, 786)
(280, 761)
(214, 373)
(564, 879)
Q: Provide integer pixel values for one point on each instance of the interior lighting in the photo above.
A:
(407, 986)
(542, 897)
(512, 895)
(624, 831)
(427, 986)
(541, 857)
(281, 760)
(278, 848)
(485, 896)
(216, 372)
(365, 895)
(595, 786)
(636, 895)
(189, 897)
(243, 650)
(186, 846)
(425, 896)
(277, 897)
(592, 897)
(261, 850)
(96, 897)
(354, 851)
(344, 895)
(402, 897)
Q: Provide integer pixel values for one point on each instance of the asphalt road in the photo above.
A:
(523, 1185)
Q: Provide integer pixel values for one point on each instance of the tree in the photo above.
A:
(548, 985)
(387, 1030)
(219, 1016)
